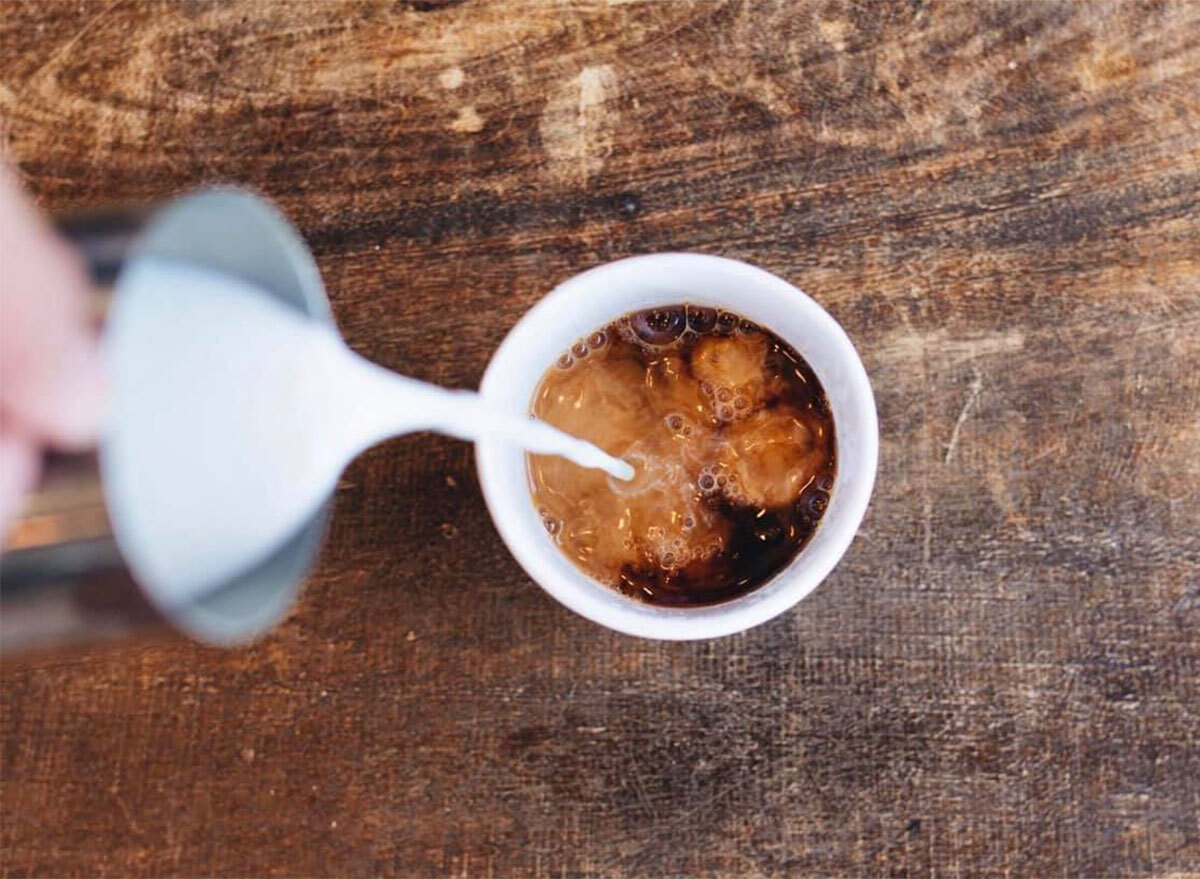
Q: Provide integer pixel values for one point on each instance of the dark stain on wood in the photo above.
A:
(999, 201)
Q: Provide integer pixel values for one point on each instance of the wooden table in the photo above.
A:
(1001, 204)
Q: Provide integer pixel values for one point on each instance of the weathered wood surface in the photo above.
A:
(1000, 202)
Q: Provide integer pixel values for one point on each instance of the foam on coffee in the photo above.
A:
(732, 442)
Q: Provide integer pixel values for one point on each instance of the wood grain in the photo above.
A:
(1001, 204)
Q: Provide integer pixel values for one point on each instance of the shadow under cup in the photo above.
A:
(593, 299)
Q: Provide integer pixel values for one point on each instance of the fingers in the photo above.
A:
(50, 371)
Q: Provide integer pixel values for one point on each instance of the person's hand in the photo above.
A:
(50, 377)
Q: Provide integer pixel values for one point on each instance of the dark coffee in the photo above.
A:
(730, 434)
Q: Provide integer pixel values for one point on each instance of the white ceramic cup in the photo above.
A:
(588, 301)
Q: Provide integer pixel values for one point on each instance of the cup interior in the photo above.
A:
(590, 300)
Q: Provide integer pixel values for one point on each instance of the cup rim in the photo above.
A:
(594, 600)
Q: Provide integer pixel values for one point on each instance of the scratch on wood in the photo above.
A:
(61, 51)
(577, 126)
(451, 78)
(468, 121)
(972, 397)
(639, 785)
(927, 527)
(910, 344)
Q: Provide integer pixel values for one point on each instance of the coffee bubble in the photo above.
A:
(814, 502)
(732, 367)
(659, 326)
(701, 320)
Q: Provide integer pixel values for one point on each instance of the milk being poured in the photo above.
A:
(233, 416)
